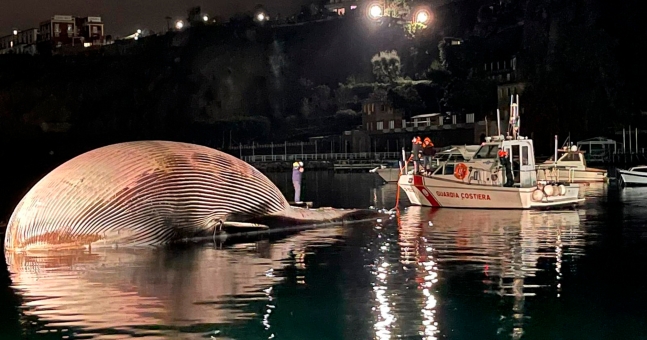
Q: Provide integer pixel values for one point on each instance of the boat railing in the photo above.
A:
(552, 172)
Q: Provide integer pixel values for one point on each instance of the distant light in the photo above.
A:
(352, 7)
(422, 17)
(136, 38)
(15, 32)
(179, 24)
(375, 11)
(260, 16)
(205, 18)
(139, 31)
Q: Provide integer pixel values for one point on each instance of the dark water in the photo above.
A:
(574, 274)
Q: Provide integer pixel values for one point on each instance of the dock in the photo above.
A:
(338, 162)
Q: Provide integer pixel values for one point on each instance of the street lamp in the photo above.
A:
(375, 11)
(260, 16)
(139, 31)
(422, 17)
(15, 32)
(205, 18)
(179, 24)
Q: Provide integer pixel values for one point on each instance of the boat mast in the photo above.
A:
(515, 120)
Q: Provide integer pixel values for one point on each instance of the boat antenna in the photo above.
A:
(555, 159)
(498, 123)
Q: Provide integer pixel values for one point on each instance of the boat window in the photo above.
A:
(571, 157)
(487, 151)
(640, 170)
(524, 155)
(449, 169)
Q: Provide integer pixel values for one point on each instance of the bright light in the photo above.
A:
(205, 18)
(179, 24)
(375, 11)
(15, 32)
(422, 17)
(139, 31)
(260, 16)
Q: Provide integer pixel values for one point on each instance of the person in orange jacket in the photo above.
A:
(428, 152)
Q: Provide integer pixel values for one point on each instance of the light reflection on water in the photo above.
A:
(131, 292)
(423, 274)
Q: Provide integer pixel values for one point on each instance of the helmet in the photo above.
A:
(295, 165)
(427, 139)
(503, 153)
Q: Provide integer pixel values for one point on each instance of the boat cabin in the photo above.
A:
(572, 158)
(445, 162)
(521, 153)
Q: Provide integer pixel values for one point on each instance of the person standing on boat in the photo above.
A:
(428, 152)
(297, 174)
(416, 153)
(505, 162)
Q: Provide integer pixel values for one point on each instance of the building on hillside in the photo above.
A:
(91, 30)
(342, 7)
(379, 115)
(67, 30)
(59, 30)
(390, 130)
(502, 63)
(20, 42)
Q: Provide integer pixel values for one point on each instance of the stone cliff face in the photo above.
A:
(158, 86)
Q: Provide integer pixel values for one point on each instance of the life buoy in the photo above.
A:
(460, 171)
(538, 195)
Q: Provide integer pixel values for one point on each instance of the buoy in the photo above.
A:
(548, 190)
(537, 195)
(562, 190)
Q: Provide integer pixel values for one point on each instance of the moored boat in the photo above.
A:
(635, 176)
(570, 167)
(500, 175)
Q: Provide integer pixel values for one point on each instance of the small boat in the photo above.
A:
(570, 167)
(636, 176)
(481, 182)
(453, 154)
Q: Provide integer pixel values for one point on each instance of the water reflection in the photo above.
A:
(505, 248)
(157, 292)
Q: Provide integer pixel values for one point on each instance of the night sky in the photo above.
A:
(123, 17)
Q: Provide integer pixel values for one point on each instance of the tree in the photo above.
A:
(386, 66)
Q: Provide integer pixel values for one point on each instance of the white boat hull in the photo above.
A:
(440, 192)
(388, 174)
(633, 178)
(573, 175)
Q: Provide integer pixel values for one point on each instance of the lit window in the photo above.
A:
(380, 125)
(392, 124)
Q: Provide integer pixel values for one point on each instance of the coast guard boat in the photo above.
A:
(479, 182)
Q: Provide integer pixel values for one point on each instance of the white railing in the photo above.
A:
(323, 157)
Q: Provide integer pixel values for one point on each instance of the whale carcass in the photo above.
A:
(146, 193)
